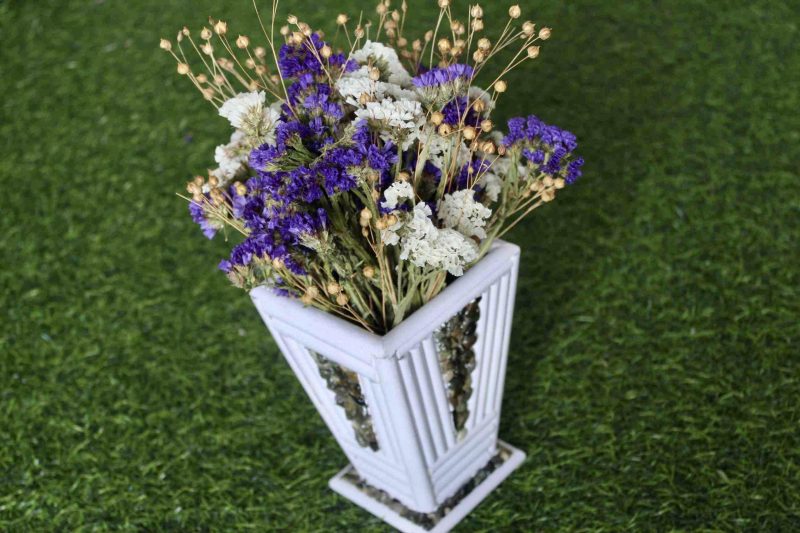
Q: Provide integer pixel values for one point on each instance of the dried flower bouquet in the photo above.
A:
(365, 173)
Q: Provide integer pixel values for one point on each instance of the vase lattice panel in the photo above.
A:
(405, 395)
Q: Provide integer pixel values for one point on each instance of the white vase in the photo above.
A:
(393, 416)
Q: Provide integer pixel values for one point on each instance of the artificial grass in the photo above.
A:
(654, 378)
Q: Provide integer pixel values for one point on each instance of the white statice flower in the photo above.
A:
(391, 235)
(396, 193)
(272, 117)
(427, 246)
(460, 211)
(398, 93)
(441, 150)
(352, 87)
(399, 121)
(404, 114)
(385, 58)
(492, 185)
(354, 84)
(248, 112)
(231, 157)
(237, 109)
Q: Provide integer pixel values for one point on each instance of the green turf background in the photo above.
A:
(654, 378)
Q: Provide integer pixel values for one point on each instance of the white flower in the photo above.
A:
(237, 109)
(460, 211)
(391, 235)
(385, 58)
(441, 151)
(247, 112)
(231, 157)
(272, 117)
(396, 193)
(425, 245)
(399, 121)
(398, 93)
(351, 86)
(492, 185)
(403, 114)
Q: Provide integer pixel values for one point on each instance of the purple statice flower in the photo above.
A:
(454, 110)
(468, 175)
(531, 129)
(534, 156)
(199, 217)
(261, 245)
(548, 147)
(442, 75)
(574, 170)
(295, 60)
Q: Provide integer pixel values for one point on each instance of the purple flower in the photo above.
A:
(441, 76)
(546, 147)
(574, 170)
(296, 60)
(454, 110)
(199, 216)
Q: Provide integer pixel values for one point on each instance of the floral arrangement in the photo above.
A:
(365, 173)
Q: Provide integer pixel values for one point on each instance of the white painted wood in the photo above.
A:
(497, 347)
(422, 374)
(420, 460)
(431, 359)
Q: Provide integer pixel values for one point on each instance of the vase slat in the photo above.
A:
(423, 379)
(442, 407)
(420, 418)
(497, 344)
(386, 438)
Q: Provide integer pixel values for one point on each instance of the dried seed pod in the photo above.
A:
(528, 28)
(333, 288)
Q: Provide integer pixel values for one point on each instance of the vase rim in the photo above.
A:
(495, 264)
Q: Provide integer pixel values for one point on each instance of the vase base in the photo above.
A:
(380, 504)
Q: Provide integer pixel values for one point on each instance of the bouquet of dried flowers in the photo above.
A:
(364, 173)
